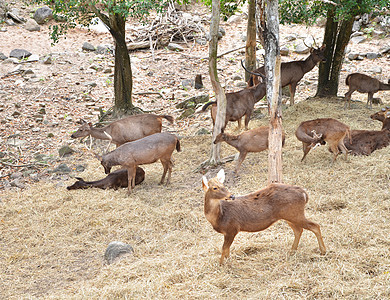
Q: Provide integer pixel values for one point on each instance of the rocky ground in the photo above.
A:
(42, 98)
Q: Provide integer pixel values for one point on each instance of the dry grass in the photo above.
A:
(53, 240)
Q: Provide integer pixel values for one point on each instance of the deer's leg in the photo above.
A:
(241, 158)
(292, 87)
(130, 178)
(238, 124)
(369, 99)
(343, 148)
(335, 149)
(228, 240)
(165, 164)
(169, 171)
(306, 149)
(297, 233)
(347, 98)
(315, 228)
(247, 119)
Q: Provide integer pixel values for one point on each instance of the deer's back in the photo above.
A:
(255, 140)
(135, 127)
(258, 210)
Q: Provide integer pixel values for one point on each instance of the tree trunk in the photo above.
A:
(219, 92)
(272, 72)
(123, 79)
(260, 21)
(250, 49)
(336, 38)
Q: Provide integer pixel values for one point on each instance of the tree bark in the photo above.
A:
(336, 38)
(219, 92)
(250, 49)
(272, 73)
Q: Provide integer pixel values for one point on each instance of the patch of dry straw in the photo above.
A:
(53, 240)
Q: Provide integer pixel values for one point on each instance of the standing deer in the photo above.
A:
(254, 140)
(256, 211)
(363, 84)
(124, 130)
(321, 131)
(293, 71)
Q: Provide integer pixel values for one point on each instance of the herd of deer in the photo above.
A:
(139, 141)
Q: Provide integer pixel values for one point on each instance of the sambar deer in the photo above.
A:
(254, 140)
(292, 72)
(256, 211)
(158, 146)
(363, 84)
(320, 131)
(381, 115)
(124, 130)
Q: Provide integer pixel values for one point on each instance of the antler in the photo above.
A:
(250, 72)
(316, 136)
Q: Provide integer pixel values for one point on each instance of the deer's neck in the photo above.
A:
(232, 140)
(308, 64)
(384, 86)
(101, 133)
(386, 124)
(212, 210)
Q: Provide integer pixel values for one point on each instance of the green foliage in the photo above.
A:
(74, 12)
(228, 7)
(307, 11)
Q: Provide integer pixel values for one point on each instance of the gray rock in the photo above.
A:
(14, 15)
(32, 25)
(372, 55)
(115, 250)
(188, 83)
(18, 183)
(352, 55)
(376, 69)
(358, 39)
(382, 50)
(291, 37)
(309, 41)
(80, 168)
(193, 101)
(201, 41)
(222, 30)
(102, 50)
(356, 25)
(301, 49)
(202, 131)
(237, 77)
(62, 169)
(357, 33)
(175, 47)
(33, 58)
(16, 114)
(88, 47)
(2, 56)
(234, 19)
(47, 60)
(65, 151)
(43, 14)
(16, 175)
(284, 51)
(20, 53)
(91, 84)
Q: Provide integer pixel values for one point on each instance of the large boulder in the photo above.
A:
(43, 14)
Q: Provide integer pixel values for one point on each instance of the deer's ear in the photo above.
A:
(221, 176)
(205, 184)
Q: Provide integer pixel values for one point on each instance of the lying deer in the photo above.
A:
(124, 130)
(254, 140)
(239, 104)
(381, 115)
(114, 180)
(363, 84)
(364, 142)
(158, 146)
(256, 211)
(320, 131)
(293, 71)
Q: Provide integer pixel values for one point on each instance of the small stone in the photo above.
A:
(62, 169)
(284, 51)
(80, 168)
(202, 131)
(65, 151)
(20, 53)
(47, 60)
(372, 55)
(358, 39)
(32, 25)
(16, 114)
(33, 58)
(2, 56)
(88, 47)
(233, 19)
(175, 47)
(115, 250)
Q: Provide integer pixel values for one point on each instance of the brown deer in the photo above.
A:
(239, 104)
(124, 130)
(254, 140)
(363, 84)
(158, 146)
(293, 71)
(364, 142)
(381, 115)
(114, 180)
(320, 131)
(256, 211)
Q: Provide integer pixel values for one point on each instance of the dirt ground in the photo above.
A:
(53, 240)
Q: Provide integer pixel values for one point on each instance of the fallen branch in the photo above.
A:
(224, 53)
(24, 165)
(150, 93)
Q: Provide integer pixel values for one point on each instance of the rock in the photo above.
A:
(175, 47)
(372, 55)
(284, 51)
(116, 250)
(20, 53)
(47, 60)
(376, 69)
(188, 83)
(33, 58)
(16, 175)
(357, 33)
(301, 49)
(188, 112)
(16, 114)
(32, 25)
(201, 41)
(91, 84)
(241, 84)
(309, 41)
(358, 39)
(234, 19)
(356, 25)
(18, 183)
(2, 56)
(43, 14)
(383, 50)
(16, 142)
(103, 49)
(62, 169)
(80, 168)
(65, 151)
(88, 47)
(222, 31)
(193, 101)
(352, 55)
(14, 15)
(237, 77)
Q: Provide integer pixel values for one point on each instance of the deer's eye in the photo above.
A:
(215, 188)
